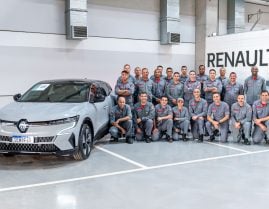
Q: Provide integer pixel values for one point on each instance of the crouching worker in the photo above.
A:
(240, 126)
(144, 114)
(181, 120)
(218, 118)
(121, 121)
(163, 121)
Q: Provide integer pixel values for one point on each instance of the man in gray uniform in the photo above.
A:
(169, 75)
(127, 68)
(241, 114)
(125, 88)
(181, 120)
(218, 118)
(202, 77)
(254, 85)
(145, 84)
(212, 85)
(163, 121)
(189, 86)
(261, 118)
(232, 89)
(160, 68)
(174, 90)
(158, 89)
(121, 121)
(184, 74)
(222, 78)
(198, 112)
(144, 113)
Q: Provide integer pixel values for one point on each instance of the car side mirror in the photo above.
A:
(16, 97)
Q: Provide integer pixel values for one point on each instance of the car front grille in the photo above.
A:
(16, 147)
(36, 139)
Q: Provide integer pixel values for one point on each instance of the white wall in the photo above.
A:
(240, 43)
(33, 45)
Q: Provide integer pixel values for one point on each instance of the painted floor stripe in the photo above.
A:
(121, 157)
(125, 172)
(229, 147)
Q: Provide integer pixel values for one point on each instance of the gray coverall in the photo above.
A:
(164, 125)
(117, 113)
(168, 80)
(260, 111)
(145, 86)
(243, 115)
(126, 86)
(209, 84)
(202, 79)
(231, 91)
(147, 114)
(189, 86)
(182, 123)
(183, 79)
(253, 88)
(174, 91)
(222, 80)
(217, 113)
(158, 89)
(198, 108)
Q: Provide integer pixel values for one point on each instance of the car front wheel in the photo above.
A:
(85, 143)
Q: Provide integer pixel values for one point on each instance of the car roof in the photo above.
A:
(100, 83)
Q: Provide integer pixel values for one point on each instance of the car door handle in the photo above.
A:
(105, 107)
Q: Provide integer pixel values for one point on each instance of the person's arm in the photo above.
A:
(248, 115)
(112, 116)
(204, 112)
(227, 114)
(168, 94)
(241, 89)
(263, 85)
(246, 86)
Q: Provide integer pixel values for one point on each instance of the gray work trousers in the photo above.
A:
(197, 127)
(146, 127)
(166, 126)
(246, 127)
(127, 125)
(183, 126)
(223, 129)
(258, 134)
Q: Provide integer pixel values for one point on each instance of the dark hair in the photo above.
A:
(232, 73)
(212, 70)
(201, 66)
(215, 93)
(176, 73)
(142, 93)
(265, 91)
(160, 66)
(169, 68)
(164, 97)
(192, 71)
(183, 66)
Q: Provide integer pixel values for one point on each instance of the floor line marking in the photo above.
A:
(225, 146)
(121, 157)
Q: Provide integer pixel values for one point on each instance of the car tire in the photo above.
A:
(85, 143)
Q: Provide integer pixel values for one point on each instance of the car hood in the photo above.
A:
(39, 111)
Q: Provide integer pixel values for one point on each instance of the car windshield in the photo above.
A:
(57, 92)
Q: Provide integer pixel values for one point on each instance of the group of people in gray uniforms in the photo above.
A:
(149, 108)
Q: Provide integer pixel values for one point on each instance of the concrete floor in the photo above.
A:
(159, 175)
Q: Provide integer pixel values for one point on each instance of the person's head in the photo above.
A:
(124, 75)
(212, 74)
(254, 71)
(216, 97)
(176, 77)
(180, 102)
(232, 77)
(192, 75)
(143, 97)
(137, 71)
(196, 93)
(222, 71)
(264, 96)
(164, 101)
(160, 67)
(184, 70)
(157, 73)
(145, 73)
(169, 72)
(127, 67)
(201, 69)
(93, 88)
(121, 102)
(241, 99)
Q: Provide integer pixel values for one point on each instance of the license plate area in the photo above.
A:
(23, 139)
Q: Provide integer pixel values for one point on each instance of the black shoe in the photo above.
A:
(211, 138)
(246, 141)
(169, 139)
(201, 138)
(184, 137)
(148, 139)
(114, 140)
(216, 132)
(266, 139)
(129, 140)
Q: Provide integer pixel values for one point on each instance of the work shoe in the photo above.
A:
(113, 139)
(201, 138)
(148, 139)
(184, 137)
(169, 138)
(211, 138)
(246, 141)
(129, 140)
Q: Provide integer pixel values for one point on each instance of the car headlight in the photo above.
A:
(64, 120)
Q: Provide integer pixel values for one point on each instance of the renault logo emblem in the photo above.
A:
(23, 125)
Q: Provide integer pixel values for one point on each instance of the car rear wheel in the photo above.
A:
(85, 143)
